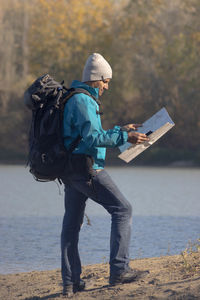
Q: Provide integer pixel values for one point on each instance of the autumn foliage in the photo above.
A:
(153, 47)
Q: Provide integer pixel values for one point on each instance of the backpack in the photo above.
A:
(48, 158)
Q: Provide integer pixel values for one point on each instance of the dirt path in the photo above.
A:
(171, 277)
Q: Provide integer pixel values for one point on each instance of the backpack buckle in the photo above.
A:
(43, 157)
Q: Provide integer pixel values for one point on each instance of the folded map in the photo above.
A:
(155, 128)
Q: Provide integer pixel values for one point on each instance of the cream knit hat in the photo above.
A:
(96, 68)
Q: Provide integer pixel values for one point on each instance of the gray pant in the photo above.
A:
(101, 189)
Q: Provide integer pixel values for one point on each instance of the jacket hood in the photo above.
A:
(91, 90)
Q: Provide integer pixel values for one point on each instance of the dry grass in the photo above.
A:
(189, 256)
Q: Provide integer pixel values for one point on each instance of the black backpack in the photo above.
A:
(48, 157)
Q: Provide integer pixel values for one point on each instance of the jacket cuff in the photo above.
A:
(124, 135)
(117, 128)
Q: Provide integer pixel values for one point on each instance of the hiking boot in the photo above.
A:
(79, 286)
(69, 290)
(127, 276)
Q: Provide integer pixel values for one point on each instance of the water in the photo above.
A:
(166, 217)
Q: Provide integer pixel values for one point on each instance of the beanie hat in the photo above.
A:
(96, 68)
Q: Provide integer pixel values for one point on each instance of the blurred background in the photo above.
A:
(153, 47)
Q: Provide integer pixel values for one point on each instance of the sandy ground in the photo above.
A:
(171, 277)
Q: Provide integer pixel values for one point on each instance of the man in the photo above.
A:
(88, 178)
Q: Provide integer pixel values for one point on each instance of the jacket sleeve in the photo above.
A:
(87, 121)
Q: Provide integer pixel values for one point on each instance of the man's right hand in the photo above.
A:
(137, 137)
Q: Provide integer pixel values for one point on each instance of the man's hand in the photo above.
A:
(137, 138)
(130, 127)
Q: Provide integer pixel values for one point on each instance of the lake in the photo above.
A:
(166, 217)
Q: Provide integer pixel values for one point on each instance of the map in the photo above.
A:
(155, 128)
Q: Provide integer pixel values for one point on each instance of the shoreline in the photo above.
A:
(155, 157)
(170, 277)
(176, 164)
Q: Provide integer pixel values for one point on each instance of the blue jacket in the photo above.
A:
(81, 118)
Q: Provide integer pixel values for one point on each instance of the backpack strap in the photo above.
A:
(80, 90)
(74, 144)
(70, 92)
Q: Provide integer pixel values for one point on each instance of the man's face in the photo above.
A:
(102, 85)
